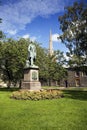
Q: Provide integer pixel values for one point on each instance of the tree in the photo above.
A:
(74, 27)
(2, 35)
(51, 67)
(56, 71)
(75, 60)
(13, 55)
(41, 61)
(0, 31)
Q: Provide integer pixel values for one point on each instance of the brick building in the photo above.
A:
(75, 78)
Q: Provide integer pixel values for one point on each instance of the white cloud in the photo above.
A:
(18, 14)
(12, 32)
(26, 36)
(32, 38)
(55, 38)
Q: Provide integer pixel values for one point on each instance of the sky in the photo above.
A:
(34, 19)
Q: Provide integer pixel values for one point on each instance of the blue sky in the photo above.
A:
(33, 19)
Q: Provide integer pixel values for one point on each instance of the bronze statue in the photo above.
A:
(31, 54)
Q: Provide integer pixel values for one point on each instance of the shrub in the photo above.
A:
(37, 95)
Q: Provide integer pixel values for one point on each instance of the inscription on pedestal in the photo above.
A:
(31, 79)
(34, 75)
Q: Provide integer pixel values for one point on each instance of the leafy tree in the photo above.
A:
(51, 67)
(56, 71)
(41, 61)
(74, 27)
(0, 31)
(2, 35)
(12, 59)
(75, 61)
(13, 55)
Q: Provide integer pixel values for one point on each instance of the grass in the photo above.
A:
(68, 113)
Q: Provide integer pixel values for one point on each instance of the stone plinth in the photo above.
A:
(31, 79)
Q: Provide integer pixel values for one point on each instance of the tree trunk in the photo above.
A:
(49, 82)
(9, 84)
(20, 84)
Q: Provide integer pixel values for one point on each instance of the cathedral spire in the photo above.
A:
(50, 44)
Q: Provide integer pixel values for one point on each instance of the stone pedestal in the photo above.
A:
(31, 79)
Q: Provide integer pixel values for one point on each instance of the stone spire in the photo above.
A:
(50, 44)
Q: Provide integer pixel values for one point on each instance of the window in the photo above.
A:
(77, 74)
(84, 74)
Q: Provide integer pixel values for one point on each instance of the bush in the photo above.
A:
(36, 95)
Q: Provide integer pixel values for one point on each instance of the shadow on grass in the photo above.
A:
(75, 94)
(9, 89)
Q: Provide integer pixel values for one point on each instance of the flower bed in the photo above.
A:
(37, 95)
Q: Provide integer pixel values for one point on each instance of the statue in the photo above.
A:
(31, 54)
(31, 76)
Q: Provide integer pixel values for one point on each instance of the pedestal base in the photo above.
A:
(31, 85)
(31, 79)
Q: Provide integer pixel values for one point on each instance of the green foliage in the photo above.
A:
(75, 60)
(41, 61)
(56, 71)
(51, 67)
(0, 20)
(37, 95)
(13, 56)
(2, 35)
(74, 27)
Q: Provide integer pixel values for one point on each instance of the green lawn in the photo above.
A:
(68, 113)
